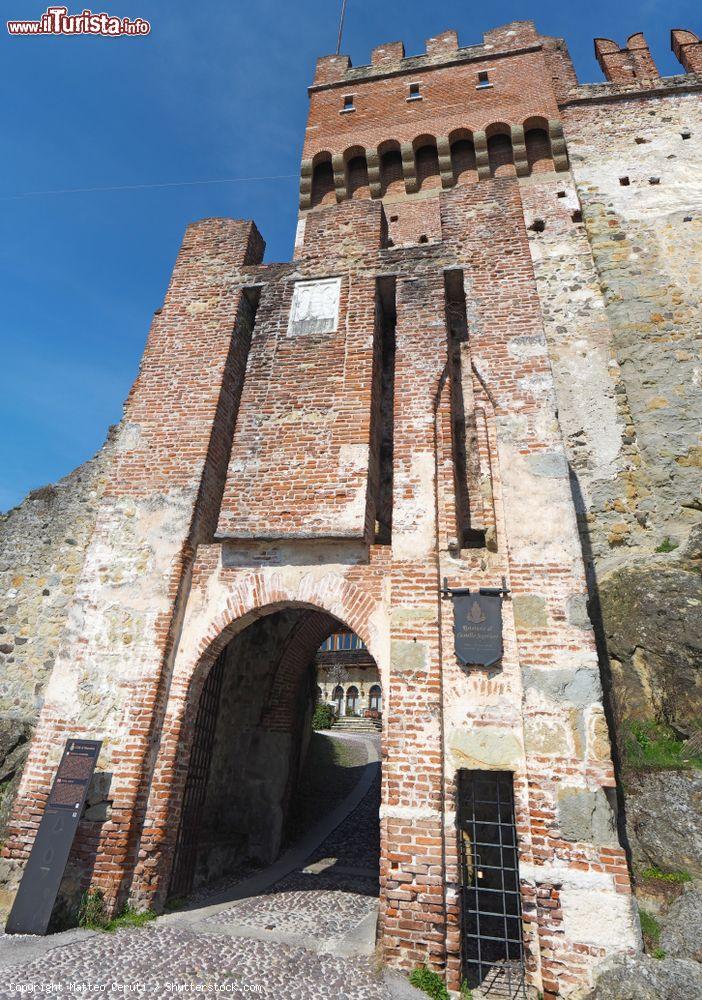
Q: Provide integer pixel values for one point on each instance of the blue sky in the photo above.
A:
(217, 90)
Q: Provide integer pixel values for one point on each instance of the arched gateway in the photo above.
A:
(342, 442)
(245, 745)
(237, 720)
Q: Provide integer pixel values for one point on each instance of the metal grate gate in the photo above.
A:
(185, 855)
(493, 950)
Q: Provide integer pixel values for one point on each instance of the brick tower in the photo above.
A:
(326, 441)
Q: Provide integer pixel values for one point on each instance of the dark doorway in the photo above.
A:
(252, 739)
(492, 947)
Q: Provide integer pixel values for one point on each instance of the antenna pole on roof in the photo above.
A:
(341, 26)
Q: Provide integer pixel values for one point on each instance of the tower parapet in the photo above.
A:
(687, 49)
(633, 62)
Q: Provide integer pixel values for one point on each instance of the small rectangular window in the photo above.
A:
(348, 103)
(483, 79)
(414, 92)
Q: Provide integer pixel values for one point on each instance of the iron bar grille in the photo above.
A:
(492, 945)
(185, 855)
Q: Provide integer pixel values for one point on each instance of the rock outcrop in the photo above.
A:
(645, 978)
(652, 619)
(664, 820)
(682, 934)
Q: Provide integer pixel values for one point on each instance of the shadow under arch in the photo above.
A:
(538, 144)
(323, 190)
(244, 730)
(426, 158)
(500, 152)
(463, 161)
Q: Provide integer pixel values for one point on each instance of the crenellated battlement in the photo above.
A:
(687, 49)
(442, 49)
(633, 62)
(630, 62)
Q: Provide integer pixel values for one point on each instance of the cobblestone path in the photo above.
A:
(309, 935)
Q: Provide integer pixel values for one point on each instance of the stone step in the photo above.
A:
(358, 725)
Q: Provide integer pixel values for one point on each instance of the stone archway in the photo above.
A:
(248, 736)
(230, 607)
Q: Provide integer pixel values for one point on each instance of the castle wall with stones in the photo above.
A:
(42, 547)
(502, 292)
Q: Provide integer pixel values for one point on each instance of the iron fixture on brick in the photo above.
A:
(448, 592)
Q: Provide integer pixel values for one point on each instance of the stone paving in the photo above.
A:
(310, 935)
(167, 961)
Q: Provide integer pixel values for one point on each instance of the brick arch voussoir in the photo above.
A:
(259, 595)
(299, 651)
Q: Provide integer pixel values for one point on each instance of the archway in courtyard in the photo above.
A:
(253, 749)
(348, 677)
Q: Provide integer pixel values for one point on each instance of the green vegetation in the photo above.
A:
(323, 717)
(129, 917)
(429, 982)
(651, 930)
(466, 992)
(654, 746)
(92, 914)
(667, 546)
(678, 878)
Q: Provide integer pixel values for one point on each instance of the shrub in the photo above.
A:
(129, 917)
(323, 716)
(653, 745)
(666, 545)
(429, 982)
(92, 912)
(651, 930)
(678, 878)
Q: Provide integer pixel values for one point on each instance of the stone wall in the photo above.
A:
(42, 547)
(637, 163)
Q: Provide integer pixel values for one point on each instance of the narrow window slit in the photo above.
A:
(386, 318)
(464, 435)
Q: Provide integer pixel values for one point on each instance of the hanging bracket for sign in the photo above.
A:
(447, 591)
(477, 625)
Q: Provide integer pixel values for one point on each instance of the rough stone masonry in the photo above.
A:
(482, 364)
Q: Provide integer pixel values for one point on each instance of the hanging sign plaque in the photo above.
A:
(478, 628)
